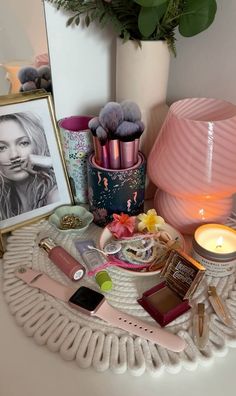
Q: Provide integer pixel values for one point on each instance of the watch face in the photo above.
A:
(86, 298)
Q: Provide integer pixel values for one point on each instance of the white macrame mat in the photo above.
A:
(90, 341)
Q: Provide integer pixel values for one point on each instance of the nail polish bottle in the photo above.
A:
(62, 259)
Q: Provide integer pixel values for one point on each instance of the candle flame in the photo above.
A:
(219, 242)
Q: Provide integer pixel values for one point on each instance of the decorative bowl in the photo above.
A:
(106, 236)
(78, 213)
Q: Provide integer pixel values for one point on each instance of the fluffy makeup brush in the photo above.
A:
(131, 111)
(93, 125)
(27, 73)
(102, 137)
(126, 133)
(110, 117)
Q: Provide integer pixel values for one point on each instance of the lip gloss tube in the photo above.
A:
(62, 259)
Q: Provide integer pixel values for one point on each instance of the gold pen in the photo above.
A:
(219, 306)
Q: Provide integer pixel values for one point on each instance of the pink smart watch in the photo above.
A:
(91, 302)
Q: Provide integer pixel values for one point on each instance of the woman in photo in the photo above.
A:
(27, 179)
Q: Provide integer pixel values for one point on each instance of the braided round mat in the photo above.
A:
(90, 341)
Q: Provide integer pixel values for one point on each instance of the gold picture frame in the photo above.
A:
(33, 176)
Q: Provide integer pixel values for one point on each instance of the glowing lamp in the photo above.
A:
(193, 163)
(12, 69)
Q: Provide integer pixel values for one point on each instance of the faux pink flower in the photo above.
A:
(122, 225)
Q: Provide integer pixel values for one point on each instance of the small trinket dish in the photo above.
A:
(68, 219)
(170, 299)
(107, 237)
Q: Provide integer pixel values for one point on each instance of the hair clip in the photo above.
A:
(201, 326)
(219, 306)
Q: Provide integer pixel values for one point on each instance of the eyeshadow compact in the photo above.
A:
(170, 298)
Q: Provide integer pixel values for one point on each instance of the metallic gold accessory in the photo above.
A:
(201, 326)
(69, 221)
(219, 306)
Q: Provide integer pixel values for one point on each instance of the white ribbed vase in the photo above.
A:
(142, 76)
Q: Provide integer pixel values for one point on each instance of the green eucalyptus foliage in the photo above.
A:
(144, 19)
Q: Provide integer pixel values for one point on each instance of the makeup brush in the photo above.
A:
(131, 111)
(110, 118)
(93, 124)
(102, 137)
(126, 133)
(137, 139)
(114, 152)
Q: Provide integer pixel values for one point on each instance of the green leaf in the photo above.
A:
(197, 16)
(70, 20)
(147, 20)
(87, 20)
(77, 20)
(150, 3)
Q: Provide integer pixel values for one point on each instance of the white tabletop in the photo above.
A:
(27, 369)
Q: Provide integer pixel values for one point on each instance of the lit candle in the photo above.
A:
(214, 246)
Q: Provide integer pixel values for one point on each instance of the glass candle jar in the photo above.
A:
(214, 246)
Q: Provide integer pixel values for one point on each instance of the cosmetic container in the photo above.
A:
(62, 259)
(170, 299)
(115, 190)
(93, 259)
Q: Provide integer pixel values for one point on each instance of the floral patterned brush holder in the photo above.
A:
(77, 145)
(115, 191)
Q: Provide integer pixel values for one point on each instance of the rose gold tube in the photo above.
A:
(105, 157)
(114, 154)
(98, 150)
(127, 154)
(136, 149)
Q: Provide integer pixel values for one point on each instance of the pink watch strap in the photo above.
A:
(106, 312)
(43, 282)
(142, 329)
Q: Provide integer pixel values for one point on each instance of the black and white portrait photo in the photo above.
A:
(28, 181)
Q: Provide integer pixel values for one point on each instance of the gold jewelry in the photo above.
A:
(70, 221)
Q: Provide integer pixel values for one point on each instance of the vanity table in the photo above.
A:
(36, 370)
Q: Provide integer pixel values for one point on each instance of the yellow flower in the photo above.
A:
(149, 221)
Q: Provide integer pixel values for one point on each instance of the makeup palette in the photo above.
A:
(170, 298)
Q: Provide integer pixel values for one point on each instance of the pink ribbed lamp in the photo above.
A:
(193, 163)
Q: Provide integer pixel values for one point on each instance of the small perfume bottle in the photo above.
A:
(62, 259)
(201, 326)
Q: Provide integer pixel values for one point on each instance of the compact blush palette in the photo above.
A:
(170, 298)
